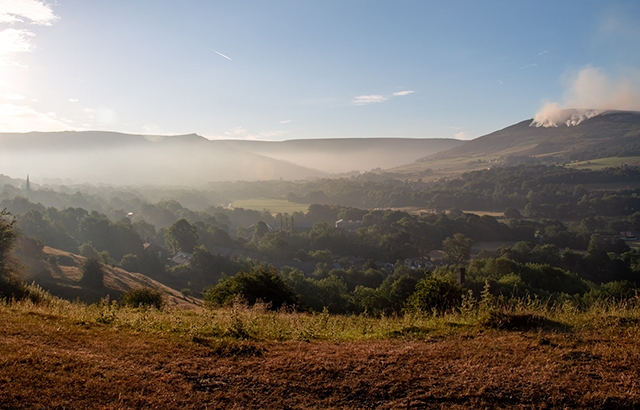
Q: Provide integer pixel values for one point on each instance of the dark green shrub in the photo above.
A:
(436, 293)
(143, 297)
(261, 284)
(131, 263)
(12, 287)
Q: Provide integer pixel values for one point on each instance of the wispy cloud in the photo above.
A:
(220, 54)
(528, 66)
(14, 41)
(369, 99)
(402, 93)
(19, 11)
(285, 121)
(15, 118)
(73, 100)
(378, 98)
(240, 133)
(18, 40)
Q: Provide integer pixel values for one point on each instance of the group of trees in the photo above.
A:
(565, 235)
(524, 270)
(544, 190)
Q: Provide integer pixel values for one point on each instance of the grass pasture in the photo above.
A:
(273, 205)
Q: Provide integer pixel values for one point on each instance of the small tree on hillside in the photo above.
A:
(182, 236)
(10, 285)
(457, 249)
(92, 273)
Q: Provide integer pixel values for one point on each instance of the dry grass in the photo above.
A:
(66, 355)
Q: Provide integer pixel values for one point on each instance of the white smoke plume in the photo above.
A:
(590, 92)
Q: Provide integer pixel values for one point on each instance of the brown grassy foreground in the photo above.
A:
(74, 357)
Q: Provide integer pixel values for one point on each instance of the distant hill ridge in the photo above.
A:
(347, 154)
(612, 132)
(112, 157)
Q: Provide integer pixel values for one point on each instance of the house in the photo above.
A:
(629, 235)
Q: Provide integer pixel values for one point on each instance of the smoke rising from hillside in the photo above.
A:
(590, 92)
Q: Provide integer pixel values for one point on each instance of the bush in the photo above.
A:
(12, 287)
(261, 284)
(131, 263)
(88, 250)
(436, 293)
(143, 297)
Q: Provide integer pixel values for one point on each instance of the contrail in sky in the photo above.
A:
(220, 54)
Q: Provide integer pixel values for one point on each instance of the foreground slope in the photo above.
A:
(51, 359)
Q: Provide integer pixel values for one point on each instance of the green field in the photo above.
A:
(272, 205)
(601, 163)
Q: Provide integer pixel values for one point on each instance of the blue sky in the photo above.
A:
(275, 70)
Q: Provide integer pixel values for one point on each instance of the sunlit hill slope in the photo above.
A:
(610, 134)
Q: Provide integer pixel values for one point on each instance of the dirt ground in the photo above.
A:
(46, 363)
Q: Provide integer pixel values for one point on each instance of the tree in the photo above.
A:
(7, 238)
(512, 213)
(10, 285)
(181, 236)
(457, 249)
(261, 229)
(131, 263)
(92, 273)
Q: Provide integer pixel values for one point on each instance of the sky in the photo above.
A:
(291, 69)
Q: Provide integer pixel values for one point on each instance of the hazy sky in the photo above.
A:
(280, 69)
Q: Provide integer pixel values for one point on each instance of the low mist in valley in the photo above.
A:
(191, 160)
